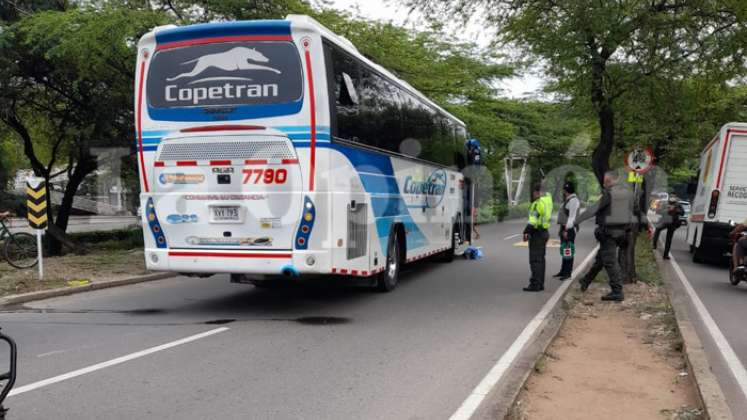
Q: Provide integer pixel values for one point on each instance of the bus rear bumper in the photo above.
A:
(237, 262)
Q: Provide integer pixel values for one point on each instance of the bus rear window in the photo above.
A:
(226, 74)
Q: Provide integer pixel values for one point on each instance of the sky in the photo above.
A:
(521, 86)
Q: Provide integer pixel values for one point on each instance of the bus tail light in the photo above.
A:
(155, 225)
(308, 215)
(714, 204)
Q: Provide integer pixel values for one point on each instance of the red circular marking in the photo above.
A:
(305, 229)
(301, 241)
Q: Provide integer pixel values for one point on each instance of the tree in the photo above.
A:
(602, 53)
(195, 11)
(67, 88)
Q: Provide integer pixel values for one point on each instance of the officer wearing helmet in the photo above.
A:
(567, 220)
(614, 218)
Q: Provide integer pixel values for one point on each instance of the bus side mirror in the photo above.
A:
(348, 94)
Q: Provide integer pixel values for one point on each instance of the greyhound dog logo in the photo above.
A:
(238, 58)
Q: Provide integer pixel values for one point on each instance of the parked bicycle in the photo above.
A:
(19, 248)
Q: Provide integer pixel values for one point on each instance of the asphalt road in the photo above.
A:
(727, 306)
(315, 351)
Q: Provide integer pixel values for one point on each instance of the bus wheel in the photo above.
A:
(697, 255)
(387, 280)
(733, 277)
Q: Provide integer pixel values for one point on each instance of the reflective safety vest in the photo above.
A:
(540, 212)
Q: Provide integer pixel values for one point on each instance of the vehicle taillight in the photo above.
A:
(714, 204)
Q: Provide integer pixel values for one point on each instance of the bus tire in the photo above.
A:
(697, 255)
(387, 279)
(733, 278)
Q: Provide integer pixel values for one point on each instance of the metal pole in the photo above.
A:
(39, 253)
(472, 211)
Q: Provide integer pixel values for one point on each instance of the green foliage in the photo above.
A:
(13, 203)
(195, 11)
(68, 84)
(652, 73)
(434, 62)
(67, 88)
(114, 239)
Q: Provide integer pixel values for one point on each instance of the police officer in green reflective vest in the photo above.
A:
(537, 234)
(614, 218)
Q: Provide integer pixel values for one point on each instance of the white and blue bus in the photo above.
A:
(274, 148)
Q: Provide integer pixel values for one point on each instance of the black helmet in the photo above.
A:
(569, 187)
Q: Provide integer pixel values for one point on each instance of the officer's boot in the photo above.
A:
(567, 270)
(585, 282)
(614, 296)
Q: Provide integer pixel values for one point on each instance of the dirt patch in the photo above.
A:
(613, 361)
(73, 270)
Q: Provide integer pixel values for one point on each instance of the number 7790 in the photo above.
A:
(265, 176)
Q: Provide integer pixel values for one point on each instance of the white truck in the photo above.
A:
(721, 198)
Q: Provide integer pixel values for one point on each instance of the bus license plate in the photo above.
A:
(226, 214)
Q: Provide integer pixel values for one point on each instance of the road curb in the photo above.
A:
(65, 291)
(500, 401)
(709, 391)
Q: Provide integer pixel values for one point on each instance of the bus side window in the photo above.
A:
(382, 125)
(347, 96)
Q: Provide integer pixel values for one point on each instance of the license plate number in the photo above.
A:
(226, 214)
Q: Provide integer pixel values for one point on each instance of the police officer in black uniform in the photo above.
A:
(614, 217)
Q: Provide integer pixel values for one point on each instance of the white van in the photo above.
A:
(721, 198)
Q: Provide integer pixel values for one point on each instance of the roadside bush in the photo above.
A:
(115, 239)
(16, 204)
(501, 211)
(519, 211)
(485, 214)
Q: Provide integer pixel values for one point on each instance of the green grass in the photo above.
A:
(99, 264)
(646, 265)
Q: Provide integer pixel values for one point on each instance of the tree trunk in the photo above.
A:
(600, 159)
(64, 210)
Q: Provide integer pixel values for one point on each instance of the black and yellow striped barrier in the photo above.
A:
(36, 204)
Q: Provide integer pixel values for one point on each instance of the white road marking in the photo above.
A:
(473, 401)
(735, 365)
(50, 353)
(512, 236)
(113, 362)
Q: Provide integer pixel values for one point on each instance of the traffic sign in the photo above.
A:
(36, 204)
(635, 178)
(640, 160)
(36, 213)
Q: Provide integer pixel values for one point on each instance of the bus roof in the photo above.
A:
(349, 47)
